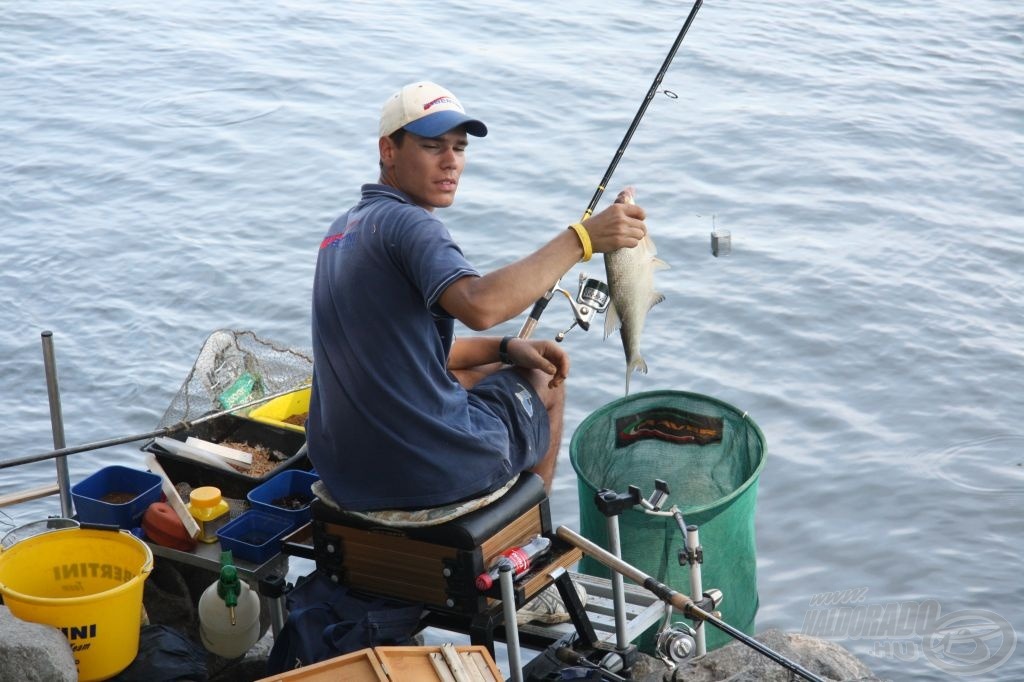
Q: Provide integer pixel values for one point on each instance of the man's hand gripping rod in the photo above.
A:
(678, 600)
(542, 302)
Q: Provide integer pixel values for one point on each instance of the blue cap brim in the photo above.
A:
(439, 123)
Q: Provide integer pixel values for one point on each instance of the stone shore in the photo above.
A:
(30, 652)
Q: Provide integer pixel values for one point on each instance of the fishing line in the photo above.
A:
(538, 308)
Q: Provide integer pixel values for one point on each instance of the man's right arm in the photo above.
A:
(483, 302)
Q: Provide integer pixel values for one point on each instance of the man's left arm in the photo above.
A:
(541, 354)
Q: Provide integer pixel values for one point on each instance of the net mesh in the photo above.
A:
(710, 455)
(234, 368)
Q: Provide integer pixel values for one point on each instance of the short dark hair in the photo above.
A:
(397, 137)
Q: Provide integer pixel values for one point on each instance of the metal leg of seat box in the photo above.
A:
(273, 587)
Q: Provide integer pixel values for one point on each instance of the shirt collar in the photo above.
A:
(373, 191)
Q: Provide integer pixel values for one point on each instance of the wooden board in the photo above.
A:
(401, 664)
(358, 666)
(423, 663)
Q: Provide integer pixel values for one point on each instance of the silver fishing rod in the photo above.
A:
(538, 308)
(183, 425)
(678, 600)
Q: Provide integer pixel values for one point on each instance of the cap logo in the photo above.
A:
(444, 99)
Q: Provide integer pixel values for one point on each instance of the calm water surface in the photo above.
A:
(169, 169)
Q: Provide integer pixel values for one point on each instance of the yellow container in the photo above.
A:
(210, 511)
(276, 411)
(88, 584)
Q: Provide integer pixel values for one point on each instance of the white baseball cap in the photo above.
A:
(428, 110)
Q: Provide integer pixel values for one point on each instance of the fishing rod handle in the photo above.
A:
(538, 309)
(677, 599)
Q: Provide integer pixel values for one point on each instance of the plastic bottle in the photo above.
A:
(229, 613)
(210, 511)
(521, 558)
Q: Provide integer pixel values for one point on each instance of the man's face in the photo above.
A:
(425, 168)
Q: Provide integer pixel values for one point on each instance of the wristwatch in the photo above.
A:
(503, 351)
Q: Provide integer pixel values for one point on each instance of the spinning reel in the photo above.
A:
(592, 298)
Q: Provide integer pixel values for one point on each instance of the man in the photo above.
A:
(404, 415)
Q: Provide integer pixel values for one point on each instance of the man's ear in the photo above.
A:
(386, 147)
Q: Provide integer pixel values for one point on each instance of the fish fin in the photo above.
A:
(637, 364)
(656, 298)
(611, 320)
(647, 247)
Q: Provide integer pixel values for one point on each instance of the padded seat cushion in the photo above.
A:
(465, 532)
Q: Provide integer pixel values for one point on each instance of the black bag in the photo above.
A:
(165, 654)
(327, 620)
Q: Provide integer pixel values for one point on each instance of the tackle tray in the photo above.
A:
(233, 484)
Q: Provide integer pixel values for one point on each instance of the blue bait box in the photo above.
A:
(287, 495)
(116, 496)
(254, 536)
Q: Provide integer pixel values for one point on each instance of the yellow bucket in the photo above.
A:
(88, 584)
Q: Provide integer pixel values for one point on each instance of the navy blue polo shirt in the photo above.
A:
(389, 426)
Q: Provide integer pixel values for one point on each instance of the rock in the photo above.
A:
(251, 666)
(30, 652)
(168, 601)
(737, 662)
(647, 669)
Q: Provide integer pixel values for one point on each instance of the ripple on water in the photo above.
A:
(211, 108)
(987, 465)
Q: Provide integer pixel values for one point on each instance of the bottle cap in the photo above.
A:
(206, 496)
(484, 582)
(228, 586)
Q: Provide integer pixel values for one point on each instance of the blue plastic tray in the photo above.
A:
(87, 496)
(254, 535)
(293, 483)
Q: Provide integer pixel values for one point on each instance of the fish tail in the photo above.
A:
(637, 364)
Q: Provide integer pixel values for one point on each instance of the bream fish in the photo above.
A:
(630, 275)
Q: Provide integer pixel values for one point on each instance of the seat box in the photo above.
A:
(438, 565)
(290, 445)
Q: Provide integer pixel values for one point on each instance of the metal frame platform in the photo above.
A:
(643, 610)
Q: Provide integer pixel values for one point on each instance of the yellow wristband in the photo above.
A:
(581, 232)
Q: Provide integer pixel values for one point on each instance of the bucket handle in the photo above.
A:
(114, 528)
(100, 526)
